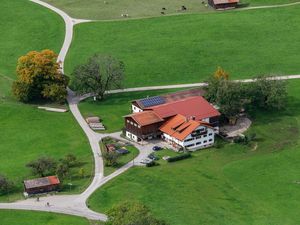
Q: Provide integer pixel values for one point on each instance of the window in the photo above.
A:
(191, 145)
(135, 125)
(205, 135)
(210, 134)
(210, 140)
(198, 143)
(139, 126)
(131, 122)
(205, 141)
(128, 121)
(190, 139)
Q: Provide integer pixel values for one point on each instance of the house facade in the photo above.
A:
(143, 126)
(187, 134)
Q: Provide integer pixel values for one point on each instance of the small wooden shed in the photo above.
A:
(41, 185)
(93, 119)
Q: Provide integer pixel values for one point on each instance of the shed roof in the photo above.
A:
(217, 2)
(41, 182)
(145, 118)
(179, 127)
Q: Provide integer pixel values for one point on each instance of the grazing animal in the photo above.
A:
(183, 8)
(163, 13)
(163, 8)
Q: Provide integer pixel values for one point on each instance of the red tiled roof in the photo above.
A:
(179, 128)
(196, 107)
(171, 97)
(146, 118)
(53, 180)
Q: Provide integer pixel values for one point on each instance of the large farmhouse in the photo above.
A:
(223, 4)
(187, 122)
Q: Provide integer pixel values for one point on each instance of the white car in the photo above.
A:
(146, 161)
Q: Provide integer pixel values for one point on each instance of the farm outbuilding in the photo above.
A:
(223, 4)
(41, 185)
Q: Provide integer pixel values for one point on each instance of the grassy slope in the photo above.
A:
(231, 185)
(26, 132)
(96, 9)
(186, 49)
(25, 27)
(114, 107)
(12, 217)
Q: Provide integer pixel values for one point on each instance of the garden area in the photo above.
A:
(256, 183)
(116, 153)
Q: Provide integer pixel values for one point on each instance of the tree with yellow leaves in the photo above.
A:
(221, 74)
(39, 78)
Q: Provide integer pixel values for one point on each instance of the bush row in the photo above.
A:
(179, 157)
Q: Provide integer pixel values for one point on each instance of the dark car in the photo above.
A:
(153, 157)
(122, 151)
(156, 148)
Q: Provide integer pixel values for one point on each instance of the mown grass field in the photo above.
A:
(187, 49)
(112, 9)
(14, 217)
(112, 109)
(26, 132)
(234, 184)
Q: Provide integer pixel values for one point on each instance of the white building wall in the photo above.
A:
(197, 143)
(135, 109)
(131, 136)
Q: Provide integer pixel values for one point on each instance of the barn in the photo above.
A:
(223, 4)
(41, 185)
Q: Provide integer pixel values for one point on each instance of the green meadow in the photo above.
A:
(27, 132)
(187, 49)
(233, 184)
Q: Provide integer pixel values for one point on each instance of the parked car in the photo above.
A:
(156, 148)
(122, 151)
(146, 161)
(153, 157)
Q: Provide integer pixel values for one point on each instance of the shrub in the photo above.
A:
(153, 163)
(179, 157)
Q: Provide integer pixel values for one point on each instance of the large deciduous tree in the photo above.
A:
(132, 213)
(42, 166)
(39, 77)
(99, 74)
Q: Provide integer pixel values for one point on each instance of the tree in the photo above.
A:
(39, 77)
(81, 172)
(268, 92)
(5, 185)
(132, 213)
(42, 166)
(231, 98)
(62, 170)
(220, 73)
(69, 159)
(111, 158)
(218, 79)
(99, 74)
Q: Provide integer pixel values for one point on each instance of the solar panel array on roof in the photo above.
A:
(152, 101)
